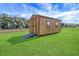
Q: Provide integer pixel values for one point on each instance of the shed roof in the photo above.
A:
(44, 16)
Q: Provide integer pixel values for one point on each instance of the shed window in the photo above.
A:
(48, 24)
(56, 24)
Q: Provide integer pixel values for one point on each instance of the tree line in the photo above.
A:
(12, 22)
(70, 25)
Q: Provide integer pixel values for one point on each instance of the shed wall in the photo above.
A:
(34, 25)
(38, 25)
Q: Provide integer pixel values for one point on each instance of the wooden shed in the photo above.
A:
(41, 25)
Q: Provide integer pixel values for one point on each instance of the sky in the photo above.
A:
(66, 12)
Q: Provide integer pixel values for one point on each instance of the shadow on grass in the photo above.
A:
(19, 39)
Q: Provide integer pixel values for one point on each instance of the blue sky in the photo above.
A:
(67, 12)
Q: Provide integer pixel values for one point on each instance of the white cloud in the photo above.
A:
(32, 10)
(46, 6)
(69, 17)
(23, 15)
(68, 13)
(6, 12)
(53, 11)
(24, 6)
(71, 6)
(10, 13)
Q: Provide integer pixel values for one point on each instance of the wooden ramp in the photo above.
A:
(28, 35)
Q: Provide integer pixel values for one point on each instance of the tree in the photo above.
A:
(10, 22)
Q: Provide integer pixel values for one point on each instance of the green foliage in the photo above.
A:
(9, 22)
(70, 25)
(65, 43)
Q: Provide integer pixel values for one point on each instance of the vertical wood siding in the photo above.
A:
(38, 25)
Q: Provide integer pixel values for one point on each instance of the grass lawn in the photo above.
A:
(65, 43)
